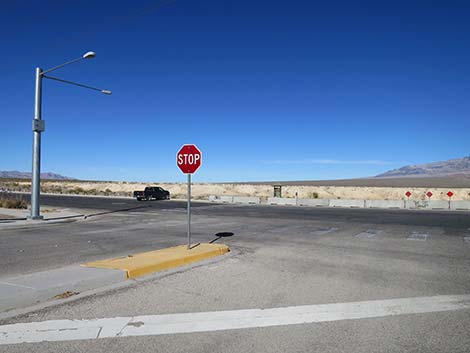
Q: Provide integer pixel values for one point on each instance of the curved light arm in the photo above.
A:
(104, 91)
(87, 55)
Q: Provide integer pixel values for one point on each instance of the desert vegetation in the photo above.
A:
(13, 202)
(202, 191)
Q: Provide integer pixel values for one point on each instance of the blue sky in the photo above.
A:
(268, 90)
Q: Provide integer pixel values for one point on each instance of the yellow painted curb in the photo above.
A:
(159, 260)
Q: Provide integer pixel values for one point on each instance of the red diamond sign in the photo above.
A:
(450, 194)
(188, 159)
(407, 194)
(429, 194)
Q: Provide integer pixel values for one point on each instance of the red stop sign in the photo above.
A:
(450, 194)
(429, 194)
(188, 159)
(407, 194)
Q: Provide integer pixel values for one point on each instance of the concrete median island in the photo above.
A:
(159, 260)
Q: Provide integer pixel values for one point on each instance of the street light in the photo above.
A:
(38, 127)
(89, 55)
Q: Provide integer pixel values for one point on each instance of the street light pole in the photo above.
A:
(38, 127)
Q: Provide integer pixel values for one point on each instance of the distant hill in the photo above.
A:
(459, 166)
(13, 174)
(454, 173)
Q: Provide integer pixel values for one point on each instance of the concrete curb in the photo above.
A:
(25, 224)
(153, 261)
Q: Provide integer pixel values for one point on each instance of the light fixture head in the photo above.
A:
(89, 55)
(106, 91)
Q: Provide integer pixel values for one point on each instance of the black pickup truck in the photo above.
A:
(152, 193)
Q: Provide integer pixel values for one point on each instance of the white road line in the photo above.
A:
(417, 236)
(150, 325)
(323, 231)
(16, 285)
(368, 234)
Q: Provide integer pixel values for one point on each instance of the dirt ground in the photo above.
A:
(203, 190)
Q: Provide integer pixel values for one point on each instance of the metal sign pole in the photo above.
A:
(189, 211)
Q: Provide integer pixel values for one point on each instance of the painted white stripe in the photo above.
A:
(323, 231)
(368, 234)
(133, 213)
(16, 285)
(65, 330)
(416, 236)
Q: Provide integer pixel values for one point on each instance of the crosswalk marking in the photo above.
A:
(150, 325)
(368, 234)
(323, 231)
(418, 236)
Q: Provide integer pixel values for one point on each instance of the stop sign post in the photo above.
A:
(188, 160)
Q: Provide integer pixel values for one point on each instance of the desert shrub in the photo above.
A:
(13, 203)
(314, 195)
(15, 186)
(77, 190)
(55, 189)
(91, 192)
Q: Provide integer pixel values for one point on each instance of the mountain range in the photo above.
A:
(452, 167)
(13, 174)
(458, 166)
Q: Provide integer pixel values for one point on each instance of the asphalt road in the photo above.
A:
(100, 203)
(376, 216)
(123, 226)
(282, 257)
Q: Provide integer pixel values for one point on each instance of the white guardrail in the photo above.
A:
(350, 203)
